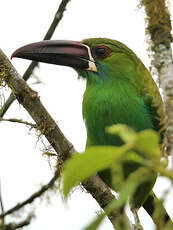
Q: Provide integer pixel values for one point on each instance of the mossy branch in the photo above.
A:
(159, 31)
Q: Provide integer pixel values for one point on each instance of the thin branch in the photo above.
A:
(14, 120)
(1, 201)
(57, 18)
(2, 225)
(48, 127)
(13, 226)
(34, 196)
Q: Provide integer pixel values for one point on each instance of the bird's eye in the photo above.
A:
(101, 51)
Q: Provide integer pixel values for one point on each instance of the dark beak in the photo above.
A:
(59, 52)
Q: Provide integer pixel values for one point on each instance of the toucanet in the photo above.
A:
(119, 89)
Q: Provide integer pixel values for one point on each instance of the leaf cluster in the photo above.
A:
(141, 150)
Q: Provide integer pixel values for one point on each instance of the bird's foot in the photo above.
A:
(137, 225)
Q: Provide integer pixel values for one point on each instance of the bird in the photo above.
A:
(119, 90)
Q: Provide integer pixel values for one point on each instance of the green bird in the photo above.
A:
(119, 89)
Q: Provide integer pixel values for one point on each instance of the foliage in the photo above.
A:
(142, 147)
(139, 148)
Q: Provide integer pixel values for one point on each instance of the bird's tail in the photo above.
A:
(157, 211)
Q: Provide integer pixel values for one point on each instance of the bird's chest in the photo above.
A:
(103, 108)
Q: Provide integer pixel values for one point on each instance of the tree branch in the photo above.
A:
(14, 120)
(101, 192)
(159, 29)
(57, 18)
(48, 127)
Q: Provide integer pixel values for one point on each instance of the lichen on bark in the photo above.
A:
(158, 22)
(160, 38)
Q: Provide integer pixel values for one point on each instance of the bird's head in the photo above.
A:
(97, 59)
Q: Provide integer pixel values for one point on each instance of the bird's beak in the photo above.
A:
(59, 52)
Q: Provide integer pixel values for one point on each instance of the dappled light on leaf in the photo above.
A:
(81, 166)
(126, 133)
(97, 158)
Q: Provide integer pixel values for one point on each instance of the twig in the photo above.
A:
(14, 120)
(2, 225)
(48, 127)
(35, 195)
(13, 226)
(1, 201)
(57, 18)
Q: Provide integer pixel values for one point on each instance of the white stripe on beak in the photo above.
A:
(91, 63)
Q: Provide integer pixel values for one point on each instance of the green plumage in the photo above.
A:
(122, 91)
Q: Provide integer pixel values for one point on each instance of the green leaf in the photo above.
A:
(94, 159)
(126, 133)
(133, 157)
(147, 144)
(117, 176)
(130, 163)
